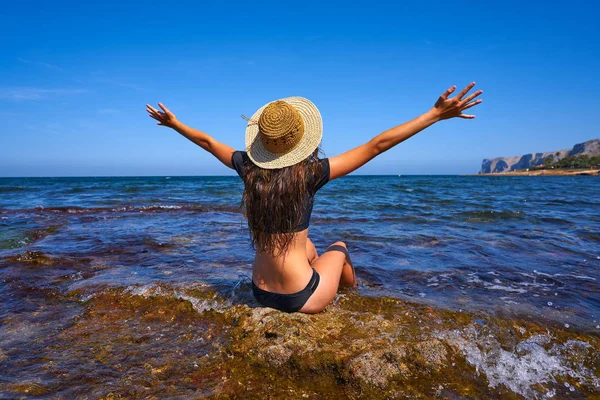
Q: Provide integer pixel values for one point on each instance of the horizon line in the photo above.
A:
(204, 176)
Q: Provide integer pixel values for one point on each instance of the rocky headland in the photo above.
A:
(523, 165)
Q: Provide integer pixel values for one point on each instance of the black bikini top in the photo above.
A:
(240, 159)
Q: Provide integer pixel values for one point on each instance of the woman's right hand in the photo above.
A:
(166, 118)
(445, 108)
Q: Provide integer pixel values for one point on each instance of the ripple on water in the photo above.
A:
(489, 215)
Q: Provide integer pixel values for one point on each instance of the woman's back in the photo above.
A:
(278, 206)
(279, 201)
(285, 273)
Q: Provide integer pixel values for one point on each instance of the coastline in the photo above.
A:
(545, 172)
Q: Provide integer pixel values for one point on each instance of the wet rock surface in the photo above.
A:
(204, 340)
(406, 350)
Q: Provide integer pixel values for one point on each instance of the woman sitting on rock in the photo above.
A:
(281, 172)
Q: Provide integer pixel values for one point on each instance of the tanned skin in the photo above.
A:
(290, 273)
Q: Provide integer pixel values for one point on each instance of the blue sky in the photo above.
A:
(75, 78)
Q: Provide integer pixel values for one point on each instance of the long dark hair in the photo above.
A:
(274, 200)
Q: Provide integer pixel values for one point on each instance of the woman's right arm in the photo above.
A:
(166, 118)
(444, 108)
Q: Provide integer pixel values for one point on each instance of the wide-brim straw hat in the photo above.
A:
(288, 132)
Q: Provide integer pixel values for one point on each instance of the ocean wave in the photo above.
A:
(538, 361)
(489, 215)
(199, 304)
(151, 208)
(11, 189)
(26, 238)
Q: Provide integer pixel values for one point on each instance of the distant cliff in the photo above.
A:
(504, 164)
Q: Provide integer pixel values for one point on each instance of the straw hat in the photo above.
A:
(283, 132)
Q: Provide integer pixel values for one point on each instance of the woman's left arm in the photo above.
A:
(220, 150)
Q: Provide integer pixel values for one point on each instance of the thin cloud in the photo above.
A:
(49, 127)
(41, 64)
(21, 94)
(122, 84)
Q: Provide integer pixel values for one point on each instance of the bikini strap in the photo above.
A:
(314, 281)
(338, 247)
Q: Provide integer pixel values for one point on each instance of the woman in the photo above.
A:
(281, 174)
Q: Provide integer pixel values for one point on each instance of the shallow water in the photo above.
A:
(73, 249)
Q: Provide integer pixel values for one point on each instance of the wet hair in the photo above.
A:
(274, 200)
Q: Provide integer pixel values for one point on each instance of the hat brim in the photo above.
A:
(313, 133)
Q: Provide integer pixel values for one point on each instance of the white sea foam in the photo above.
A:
(166, 207)
(200, 305)
(535, 361)
(473, 278)
(77, 276)
(87, 297)
(504, 288)
(583, 277)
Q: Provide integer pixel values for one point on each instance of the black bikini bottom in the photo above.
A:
(291, 302)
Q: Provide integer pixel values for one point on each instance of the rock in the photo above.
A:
(154, 341)
(504, 164)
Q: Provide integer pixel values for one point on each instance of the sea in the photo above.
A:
(83, 259)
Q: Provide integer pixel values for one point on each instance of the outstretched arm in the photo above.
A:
(444, 108)
(207, 142)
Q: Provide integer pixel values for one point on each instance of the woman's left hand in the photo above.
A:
(166, 118)
(446, 108)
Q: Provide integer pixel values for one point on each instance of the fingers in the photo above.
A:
(155, 117)
(466, 116)
(154, 113)
(161, 105)
(150, 108)
(471, 97)
(448, 92)
(465, 90)
(158, 117)
(473, 104)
